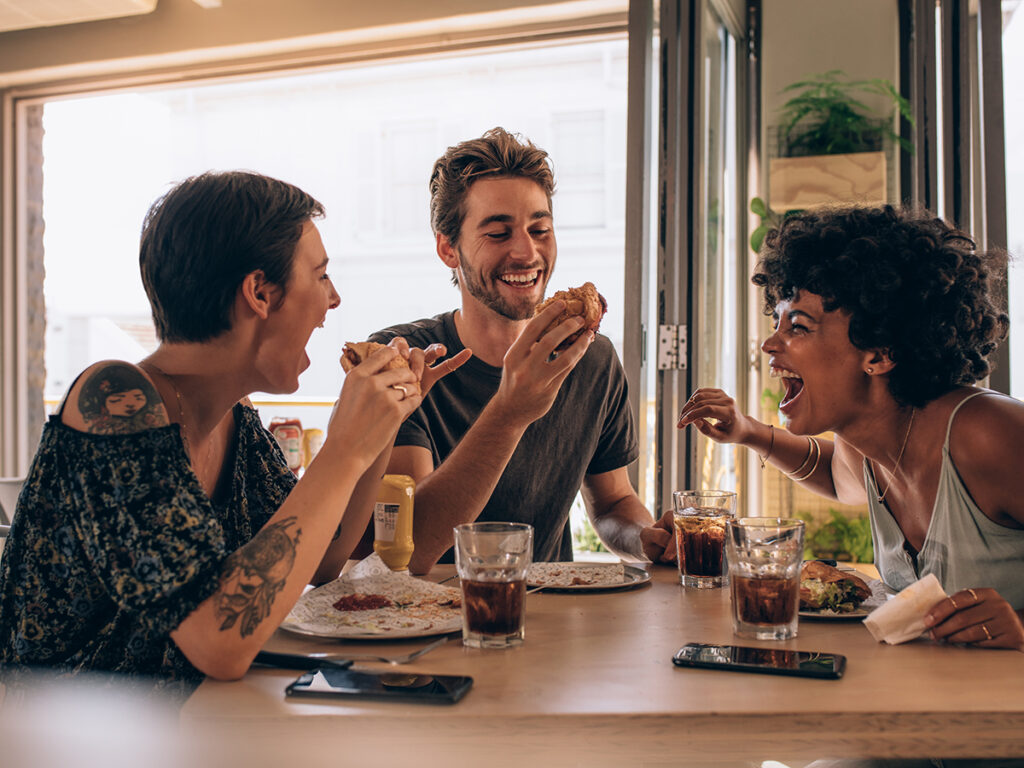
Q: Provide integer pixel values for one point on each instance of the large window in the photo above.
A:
(721, 255)
(1013, 104)
(362, 140)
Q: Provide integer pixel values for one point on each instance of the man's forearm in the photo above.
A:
(457, 490)
(353, 523)
(619, 528)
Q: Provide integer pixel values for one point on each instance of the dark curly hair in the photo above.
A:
(913, 286)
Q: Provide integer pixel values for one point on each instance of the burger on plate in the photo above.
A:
(824, 588)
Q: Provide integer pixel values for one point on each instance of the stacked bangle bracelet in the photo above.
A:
(813, 452)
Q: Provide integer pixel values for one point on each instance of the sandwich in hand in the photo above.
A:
(585, 302)
(354, 352)
(824, 588)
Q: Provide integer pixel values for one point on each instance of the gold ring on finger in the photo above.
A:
(988, 635)
(975, 596)
(955, 606)
(401, 389)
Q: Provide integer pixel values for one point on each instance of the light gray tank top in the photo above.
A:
(962, 547)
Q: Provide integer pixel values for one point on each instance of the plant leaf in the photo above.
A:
(757, 237)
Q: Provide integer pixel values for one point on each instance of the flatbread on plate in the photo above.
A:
(410, 606)
(576, 574)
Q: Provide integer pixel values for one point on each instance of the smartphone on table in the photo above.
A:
(772, 661)
(347, 683)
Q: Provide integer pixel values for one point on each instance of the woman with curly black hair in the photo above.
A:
(884, 322)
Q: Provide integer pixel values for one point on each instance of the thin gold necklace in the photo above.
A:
(899, 457)
(181, 407)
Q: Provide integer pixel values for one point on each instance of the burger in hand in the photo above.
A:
(824, 588)
(584, 302)
(354, 352)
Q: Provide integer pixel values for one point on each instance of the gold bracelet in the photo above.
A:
(771, 445)
(805, 462)
(817, 458)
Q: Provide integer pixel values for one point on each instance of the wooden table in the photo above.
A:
(594, 685)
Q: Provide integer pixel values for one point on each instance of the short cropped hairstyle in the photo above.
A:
(202, 238)
(496, 154)
(913, 286)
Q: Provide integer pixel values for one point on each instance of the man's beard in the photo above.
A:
(492, 299)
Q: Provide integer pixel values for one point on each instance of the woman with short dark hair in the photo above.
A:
(160, 532)
(884, 321)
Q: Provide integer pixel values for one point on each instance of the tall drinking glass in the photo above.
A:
(765, 556)
(492, 560)
(699, 519)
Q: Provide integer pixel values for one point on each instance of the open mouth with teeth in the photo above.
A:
(792, 382)
(520, 279)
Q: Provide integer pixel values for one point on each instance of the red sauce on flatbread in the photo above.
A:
(361, 602)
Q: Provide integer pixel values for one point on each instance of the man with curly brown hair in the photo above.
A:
(517, 431)
(884, 322)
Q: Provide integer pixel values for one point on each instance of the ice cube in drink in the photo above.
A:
(700, 541)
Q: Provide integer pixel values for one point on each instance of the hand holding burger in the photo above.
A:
(584, 302)
(354, 352)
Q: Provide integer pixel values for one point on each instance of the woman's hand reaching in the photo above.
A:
(715, 415)
(979, 617)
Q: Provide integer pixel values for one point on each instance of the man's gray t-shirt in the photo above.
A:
(588, 430)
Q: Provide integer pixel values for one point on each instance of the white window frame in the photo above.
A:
(18, 433)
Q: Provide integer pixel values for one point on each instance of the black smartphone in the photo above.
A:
(342, 683)
(772, 661)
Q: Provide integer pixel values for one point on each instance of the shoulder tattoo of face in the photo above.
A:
(117, 399)
(254, 575)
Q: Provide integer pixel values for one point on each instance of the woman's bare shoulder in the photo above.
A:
(987, 418)
(113, 397)
(986, 443)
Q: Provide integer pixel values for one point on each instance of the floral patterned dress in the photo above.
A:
(114, 542)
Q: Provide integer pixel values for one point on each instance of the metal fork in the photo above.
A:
(393, 660)
(314, 660)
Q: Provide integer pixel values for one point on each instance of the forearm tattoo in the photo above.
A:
(117, 400)
(254, 575)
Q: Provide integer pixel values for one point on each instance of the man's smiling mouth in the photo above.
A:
(520, 279)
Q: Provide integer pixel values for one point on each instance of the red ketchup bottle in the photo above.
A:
(288, 433)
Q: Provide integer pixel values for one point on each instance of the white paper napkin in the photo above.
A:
(902, 617)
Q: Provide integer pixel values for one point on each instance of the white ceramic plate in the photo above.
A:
(857, 614)
(455, 625)
(419, 608)
(631, 577)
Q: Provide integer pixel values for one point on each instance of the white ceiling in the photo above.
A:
(24, 14)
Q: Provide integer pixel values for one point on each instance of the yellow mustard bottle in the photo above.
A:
(392, 521)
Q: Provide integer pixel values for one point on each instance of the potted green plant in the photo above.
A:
(832, 144)
(827, 117)
(838, 538)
